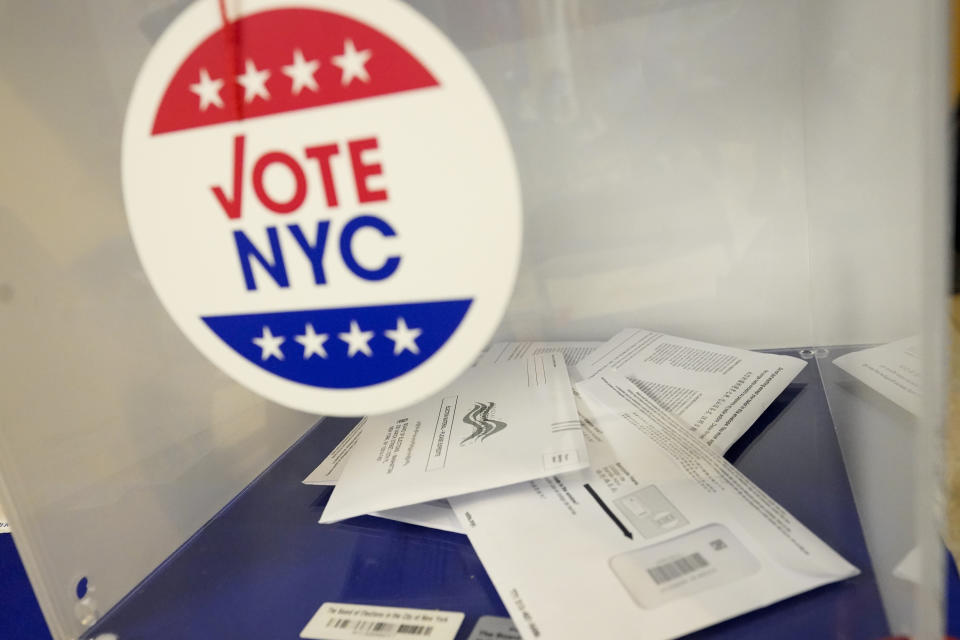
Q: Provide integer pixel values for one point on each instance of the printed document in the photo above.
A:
(719, 391)
(573, 352)
(892, 370)
(661, 534)
(496, 425)
(329, 470)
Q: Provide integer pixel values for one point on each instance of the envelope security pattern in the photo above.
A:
(483, 425)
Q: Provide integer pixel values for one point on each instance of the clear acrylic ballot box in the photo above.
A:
(765, 174)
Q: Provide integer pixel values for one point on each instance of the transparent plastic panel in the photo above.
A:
(876, 147)
(757, 173)
(118, 440)
(661, 157)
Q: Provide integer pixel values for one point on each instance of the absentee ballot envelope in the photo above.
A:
(435, 514)
(659, 538)
(496, 425)
(720, 391)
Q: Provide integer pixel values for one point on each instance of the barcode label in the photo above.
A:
(683, 566)
(379, 629)
(340, 621)
(364, 627)
(415, 629)
(673, 570)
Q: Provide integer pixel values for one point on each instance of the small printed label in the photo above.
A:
(690, 563)
(494, 628)
(651, 512)
(557, 459)
(441, 434)
(340, 621)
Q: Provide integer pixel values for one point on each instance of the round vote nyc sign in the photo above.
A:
(323, 197)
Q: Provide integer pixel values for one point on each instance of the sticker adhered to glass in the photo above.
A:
(342, 621)
(494, 628)
(323, 197)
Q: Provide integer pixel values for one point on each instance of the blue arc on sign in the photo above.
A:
(435, 322)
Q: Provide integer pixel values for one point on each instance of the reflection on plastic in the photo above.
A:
(893, 370)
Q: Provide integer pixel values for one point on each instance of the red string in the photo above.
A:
(223, 12)
(232, 51)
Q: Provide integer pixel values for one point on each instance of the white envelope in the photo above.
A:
(720, 391)
(663, 535)
(435, 514)
(496, 425)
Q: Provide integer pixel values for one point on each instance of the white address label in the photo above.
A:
(494, 628)
(340, 621)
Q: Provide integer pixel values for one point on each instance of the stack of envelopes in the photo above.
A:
(592, 474)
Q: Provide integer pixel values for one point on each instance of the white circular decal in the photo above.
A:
(323, 197)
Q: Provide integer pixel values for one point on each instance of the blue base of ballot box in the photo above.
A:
(20, 615)
(263, 566)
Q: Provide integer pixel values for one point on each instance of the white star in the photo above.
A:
(312, 342)
(269, 345)
(357, 340)
(254, 82)
(352, 63)
(404, 338)
(301, 73)
(209, 90)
